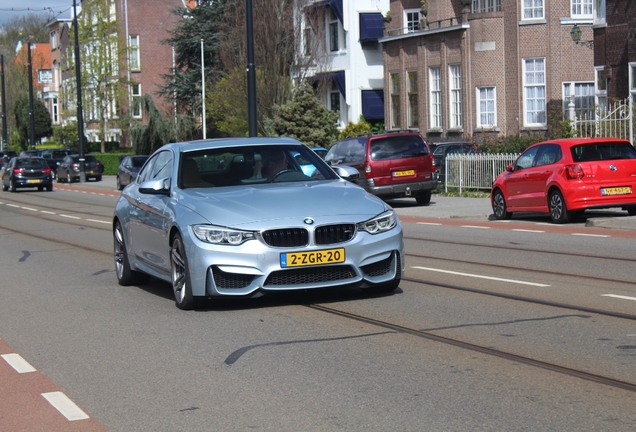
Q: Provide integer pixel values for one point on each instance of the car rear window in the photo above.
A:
(602, 151)
(398, 147)
(31, 163)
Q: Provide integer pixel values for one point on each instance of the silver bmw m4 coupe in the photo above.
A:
(238, 217)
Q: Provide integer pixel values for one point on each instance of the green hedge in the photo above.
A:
(110, 161)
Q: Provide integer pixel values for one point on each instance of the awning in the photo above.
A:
(373, 104)
(335, 5)
(371, 27)
(338, 77)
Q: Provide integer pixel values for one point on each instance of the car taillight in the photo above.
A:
(367, 170)
(75, 166)
(433, 163)
(46, 170)
(18, 170)
(574, 172)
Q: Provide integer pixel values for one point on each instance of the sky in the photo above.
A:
(10, 9)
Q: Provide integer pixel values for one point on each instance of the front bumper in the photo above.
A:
(254, 267)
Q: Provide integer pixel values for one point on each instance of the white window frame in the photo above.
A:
(479, 6)
(534, 83)
(135, 52)
(56, 110)
(135, 93)
(395, 87)
(600, 88)
(530, 11)
(410, 24)
(53, 40)
(632, 78)
(435, 97)
(455, 96)
(486, 97)
(570, 89)
(331, 21)
(599, 12)
(412, 95)
(582, 9)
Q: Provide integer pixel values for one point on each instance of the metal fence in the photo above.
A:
(475, 171)
(616, 120)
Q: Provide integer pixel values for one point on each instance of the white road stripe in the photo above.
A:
(28, 208)
(474, 226)
(98, 221)
(618, 296)
(65, 406)
(13, 205)
(69, 216)
(18, 363)
(482, 277)
(428, 223)
(47, 212)
(527, 230)
(590, 235)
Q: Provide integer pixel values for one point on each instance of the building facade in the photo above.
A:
(341, 55)
(462, 69)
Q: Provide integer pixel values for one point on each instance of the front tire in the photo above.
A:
(69, 178)
(119, 187)
(180, 271)
(125, 276)
(499, 207)
(558, 210)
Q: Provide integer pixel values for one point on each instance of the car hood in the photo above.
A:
(250, 206)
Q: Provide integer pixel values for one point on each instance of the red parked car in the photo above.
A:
(567, 176)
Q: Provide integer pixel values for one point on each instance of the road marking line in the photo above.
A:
(590, 235)
(28, 208)
(18, 363)
(65, 406)
(619, 296)
(70, 217)
(47, 212)
(527, 230)
(13, 205)
(474, 226)
(482, 277)
(428, 223)
(98, 221)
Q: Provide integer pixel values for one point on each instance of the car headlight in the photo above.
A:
(379, 224)
(221, 235)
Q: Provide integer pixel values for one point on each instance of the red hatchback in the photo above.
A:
(567, 176)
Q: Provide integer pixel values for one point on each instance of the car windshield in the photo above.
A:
(59, 154)
(398, 147)
(30, 163)
(602, 151)
(251, 165)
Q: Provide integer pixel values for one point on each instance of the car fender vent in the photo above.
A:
(380, 268)
(225, 280)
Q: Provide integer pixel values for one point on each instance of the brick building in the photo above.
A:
(458, 69)
(615, 49)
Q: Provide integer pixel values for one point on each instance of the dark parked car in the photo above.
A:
(447, 148)
(391, 164)
(128, 170)
(54, 156)
(27, 172)
(69, 169)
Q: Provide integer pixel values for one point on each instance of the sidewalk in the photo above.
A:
(443, 207)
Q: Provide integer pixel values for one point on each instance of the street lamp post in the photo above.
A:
(4, 108)
(203, 125)
(78, 82)
(575, 34)
(251, 70)
(31, 113)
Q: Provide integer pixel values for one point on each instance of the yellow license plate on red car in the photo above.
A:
(313, 258)
(403, 173)
(616, 190)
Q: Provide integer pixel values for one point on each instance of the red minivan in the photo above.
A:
(391, 164)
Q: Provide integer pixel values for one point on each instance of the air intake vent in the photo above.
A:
(287, 237)
(332, 234)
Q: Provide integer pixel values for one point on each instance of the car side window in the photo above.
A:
(145, 173)
(548, 154)
(162, 168)
(526, 160)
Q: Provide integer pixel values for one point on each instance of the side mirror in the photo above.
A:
(509, 168)
(346, 172)
(155, 187)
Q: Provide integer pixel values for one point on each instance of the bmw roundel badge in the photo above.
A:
(308, 221)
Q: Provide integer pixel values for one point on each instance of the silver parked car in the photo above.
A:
(237, 217)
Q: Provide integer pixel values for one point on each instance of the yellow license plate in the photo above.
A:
(89, 171)
(33, 181)
(300, 259)
(616, 190)
(403, 173)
